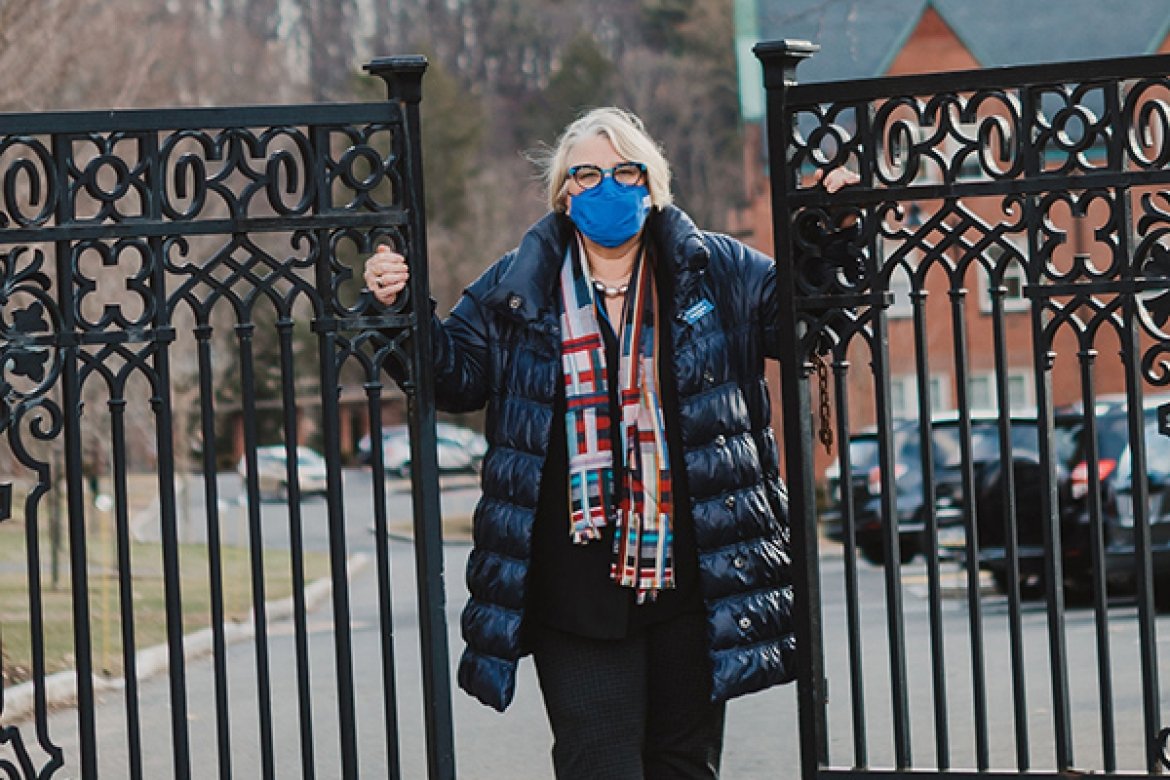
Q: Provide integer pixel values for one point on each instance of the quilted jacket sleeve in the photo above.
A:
(460, 345)
(754, 294)
(461, 356)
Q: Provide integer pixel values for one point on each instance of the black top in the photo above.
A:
(569, 585)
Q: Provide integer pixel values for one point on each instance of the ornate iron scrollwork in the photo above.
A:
(130, 258)
(27, 311)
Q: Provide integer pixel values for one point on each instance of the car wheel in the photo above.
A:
(873, 553)
(403, 471)
(1078, 592)
(1162, 594)
(1031, 584)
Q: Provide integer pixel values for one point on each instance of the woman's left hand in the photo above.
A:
(836, 178)
(833, 181)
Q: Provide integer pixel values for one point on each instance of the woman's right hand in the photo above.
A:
(386, 274)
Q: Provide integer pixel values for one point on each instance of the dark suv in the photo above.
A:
(1117, 478)
(1028, 485)
(908, 482)
(1073, 485)
(863, 458)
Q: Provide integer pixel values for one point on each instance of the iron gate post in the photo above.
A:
(780, 59)
(403, 77)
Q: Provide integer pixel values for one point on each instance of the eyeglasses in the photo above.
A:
(627, 174)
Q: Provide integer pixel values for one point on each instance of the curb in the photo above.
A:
(60, 689)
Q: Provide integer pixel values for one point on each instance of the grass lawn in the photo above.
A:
(147, 592)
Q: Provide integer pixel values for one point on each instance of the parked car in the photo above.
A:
(272, 471)
(472, 441)
(1118, 516)
(1073, 486)
(909, 490)
(863, 458)
(1028, 480)
(458, 449)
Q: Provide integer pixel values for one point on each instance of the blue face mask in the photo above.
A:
(610, 214)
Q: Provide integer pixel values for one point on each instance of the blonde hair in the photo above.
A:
(629, 138)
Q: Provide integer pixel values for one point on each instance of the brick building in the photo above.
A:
(894, 37)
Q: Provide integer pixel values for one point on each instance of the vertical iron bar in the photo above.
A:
(1131, 360)
(1008, 503)
(1088, 357)
(942, 745)
(327, 356)
(891, 541)
(149, 151)
(126, 588)
(848, 511)
(163, 337)
(338, 556)
(168, 527)
(1043, 357)
(780, 60)
(1147, 646)
(958, 295)
(385, 596)
(74, 466)
(403, 76)
(1053, 546)
(297, 545)
(864, 115)
(203, 333)
(256, 551)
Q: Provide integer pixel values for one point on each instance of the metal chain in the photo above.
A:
(825, 429)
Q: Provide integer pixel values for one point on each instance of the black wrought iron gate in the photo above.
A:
(987, 601)
(180, 291)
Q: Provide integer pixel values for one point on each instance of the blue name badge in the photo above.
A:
(697, 311)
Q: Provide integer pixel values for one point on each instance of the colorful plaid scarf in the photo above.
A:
(643, 539)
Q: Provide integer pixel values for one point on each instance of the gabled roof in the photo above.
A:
(859, 38)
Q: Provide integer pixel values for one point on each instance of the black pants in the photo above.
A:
(631, 709)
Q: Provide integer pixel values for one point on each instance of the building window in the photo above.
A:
(1014, 280)
(900, 287)
(981, 390)
(904, 394)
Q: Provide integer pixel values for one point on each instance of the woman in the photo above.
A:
(632, 530)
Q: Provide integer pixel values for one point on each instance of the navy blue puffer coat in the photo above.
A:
(500, 347)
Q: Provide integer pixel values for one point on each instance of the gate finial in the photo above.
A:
(402, 74)
(780, 59)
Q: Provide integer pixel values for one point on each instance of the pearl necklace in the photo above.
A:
(611, 292)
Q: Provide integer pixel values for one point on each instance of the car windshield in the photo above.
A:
(985, 440)
(1066, 436)
(908, 449)
(863, 452)
(946, 441)
(1157, 453)
(1112, 437)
